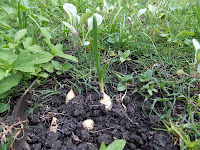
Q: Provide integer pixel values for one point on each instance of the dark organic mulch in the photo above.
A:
(122, 122)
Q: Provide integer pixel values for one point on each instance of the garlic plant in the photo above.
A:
(105, 98)
(76, 22)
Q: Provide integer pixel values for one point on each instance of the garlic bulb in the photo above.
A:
(88, 124)
(69, 96)
(106, 101)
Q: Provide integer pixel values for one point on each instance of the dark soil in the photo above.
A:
(124, 121)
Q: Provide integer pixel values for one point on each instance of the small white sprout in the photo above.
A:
(88, 124)
(69, 96)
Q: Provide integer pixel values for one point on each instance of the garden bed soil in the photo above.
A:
(124, 121)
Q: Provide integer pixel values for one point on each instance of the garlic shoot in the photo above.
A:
(69, 96)
(88, 124)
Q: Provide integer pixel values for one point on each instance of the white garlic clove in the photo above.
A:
(88, 124)
(106, 101)
(54, 125)
(69, 96)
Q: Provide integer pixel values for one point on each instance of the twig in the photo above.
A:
(101, 130)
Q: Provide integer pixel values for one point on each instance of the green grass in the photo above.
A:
(160, 41)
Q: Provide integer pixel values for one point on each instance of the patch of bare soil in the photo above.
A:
(124, 121)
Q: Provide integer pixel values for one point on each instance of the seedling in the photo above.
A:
(105, 98)
(76, 24)
(147, 78)
(116, 145)
(122, 85)
(124, 56)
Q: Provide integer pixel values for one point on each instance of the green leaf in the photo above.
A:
(3, 95)
(7, 38)
(26, 61)
(103, 70)
(148, 74)
(48, 67)
(198, 11)
(51, 46)
(118, 75)
(12, 45)
(27, 42)
(95, 46)
(150, 92)
(36, 48)
(103, 146)
(127, 77)
(4, 107)
(8, 82)
(57, 65)
(20, 34)
(67, 66)
(58, 47)
(58, 72)
(66, 56)
(45, 33)
(8, 55)
(116, 145)
(84, 17)
(73, 30)
(44, 75)
(126, 53)
(42, 18)
(5, 25)
(4, 64)
(2, 73)
(121, 86)
(122, 59)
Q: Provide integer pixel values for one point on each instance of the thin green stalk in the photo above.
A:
(19, 15)
(95, 46)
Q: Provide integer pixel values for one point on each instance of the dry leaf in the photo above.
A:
(19, 114)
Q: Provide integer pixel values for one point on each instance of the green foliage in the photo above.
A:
(149, 82)
(4, 107)
(124, 56)
(183, 135)
(116, 145)
(122, 85)
(17, 61)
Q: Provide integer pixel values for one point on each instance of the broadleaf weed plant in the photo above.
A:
(21, 59)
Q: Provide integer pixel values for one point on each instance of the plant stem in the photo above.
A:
(95, 46)
(101, 85)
